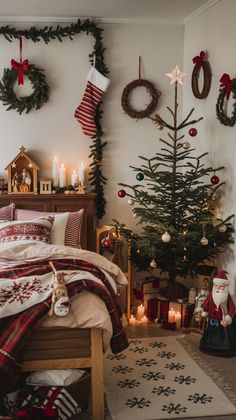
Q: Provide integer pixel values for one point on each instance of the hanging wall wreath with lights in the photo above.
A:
(20, 104)
(227, 85)
(125, 99)
(150, 88)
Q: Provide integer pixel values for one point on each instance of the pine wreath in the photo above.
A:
(220, 106)
(154, 93)
(37, 98)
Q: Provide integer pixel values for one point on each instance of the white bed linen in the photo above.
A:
(87, 309)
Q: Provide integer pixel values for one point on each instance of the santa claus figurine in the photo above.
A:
(220, 335)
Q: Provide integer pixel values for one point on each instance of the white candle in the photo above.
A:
(144, 320)
(74, 178)
(62, 176)
(55, 172)
(178, 320)
(171, 315)
(132, 321)
(81, 173)
(140, 312)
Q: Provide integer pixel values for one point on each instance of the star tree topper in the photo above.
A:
(176, 76)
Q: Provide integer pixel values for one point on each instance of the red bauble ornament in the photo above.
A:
(215, 179)
(192, 132)
(107, 243)
(121, 193)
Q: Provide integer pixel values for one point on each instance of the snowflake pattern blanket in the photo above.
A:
(26, 281)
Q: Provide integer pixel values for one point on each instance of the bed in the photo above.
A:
(53, 346)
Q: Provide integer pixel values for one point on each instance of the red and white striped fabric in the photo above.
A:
(7, 212)
(84, 113)
(72, 233)
(73, 229)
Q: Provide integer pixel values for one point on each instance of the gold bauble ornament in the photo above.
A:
(165, 237)
(153, 264)
(130, 201)
(186, 145)
(222, 228)
(204, 241)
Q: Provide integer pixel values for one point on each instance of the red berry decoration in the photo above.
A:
(107, 243)
(215, 179)
(192, 132)
(121, 193)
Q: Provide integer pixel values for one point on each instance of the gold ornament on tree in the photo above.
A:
(153, 264)
(166, 237)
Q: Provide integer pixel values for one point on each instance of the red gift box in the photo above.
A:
(169, 325)
(152, 305)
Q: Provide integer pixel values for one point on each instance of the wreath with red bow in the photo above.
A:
(40, 87)
(227, 85)
(201, 63)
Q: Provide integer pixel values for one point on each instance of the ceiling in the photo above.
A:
(105, 10)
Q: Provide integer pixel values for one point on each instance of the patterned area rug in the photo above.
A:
(155, 378)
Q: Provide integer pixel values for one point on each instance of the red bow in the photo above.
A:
(199, 58)
(227, 83)
(21, 67)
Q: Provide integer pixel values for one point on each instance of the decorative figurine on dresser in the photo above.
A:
(22, 174)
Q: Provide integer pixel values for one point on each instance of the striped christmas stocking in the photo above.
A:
(96, 86)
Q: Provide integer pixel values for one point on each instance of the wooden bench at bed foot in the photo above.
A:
(69, 348)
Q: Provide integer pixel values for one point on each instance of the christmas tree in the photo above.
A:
(174, 202)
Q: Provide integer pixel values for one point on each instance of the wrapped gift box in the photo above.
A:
(187, 313)
(169, 325)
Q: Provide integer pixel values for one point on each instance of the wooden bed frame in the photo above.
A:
(64, 348)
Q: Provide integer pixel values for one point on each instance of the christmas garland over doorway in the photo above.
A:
(49, 33)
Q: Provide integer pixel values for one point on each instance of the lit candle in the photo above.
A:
(74, 178)
(144, 320)
(178, 320)
(171, 315)
(132, 321)
(55, 172)
(62, 176)
(81, 173)
(140, 312)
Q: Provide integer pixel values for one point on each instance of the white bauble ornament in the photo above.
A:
(165, 237)
(130, 201)
(222, 228)
(62, 306)
(153, 264)
(186, 145)
(204, 241)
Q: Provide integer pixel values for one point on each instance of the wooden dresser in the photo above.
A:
(60, 203)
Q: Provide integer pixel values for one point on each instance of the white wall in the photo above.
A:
(54, 130)
(161, 48)
(214, 31)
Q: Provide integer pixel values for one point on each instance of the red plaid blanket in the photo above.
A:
(17, 329)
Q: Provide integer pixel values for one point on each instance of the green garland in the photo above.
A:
(24, 103)
(49, 33)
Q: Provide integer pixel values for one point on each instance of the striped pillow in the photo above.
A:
(7, 212)
(69, 236)
(31, 230)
